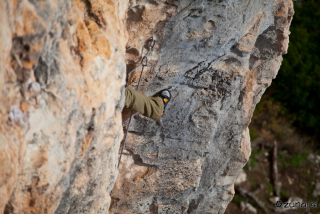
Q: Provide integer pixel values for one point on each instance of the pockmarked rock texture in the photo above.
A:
(218, 58)
(62, 76)
(62, 69)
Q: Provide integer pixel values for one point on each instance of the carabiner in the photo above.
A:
(151, 42)
(146, 59)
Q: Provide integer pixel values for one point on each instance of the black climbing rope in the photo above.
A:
(144, 63)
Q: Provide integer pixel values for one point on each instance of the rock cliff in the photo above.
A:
(62, 74)
(62, 69)
(218, 57)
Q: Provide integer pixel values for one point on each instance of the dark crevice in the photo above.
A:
(154, 206)
(194, 204)
(90, 126)
(113, 203)
(186, 7)
(135, 13)
(138, 161)
(152, 2)
(77, 52)
(91, 13)
(137, 133)
(8, 208)
(193, 86)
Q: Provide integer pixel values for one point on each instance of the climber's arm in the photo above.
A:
(148, 106)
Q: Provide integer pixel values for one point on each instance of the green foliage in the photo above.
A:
(284, 194)
(259, 108)
(298, 159)
(297, 85)
(253, 163)
(254, 154)
(245, 166)
(270, 187)
(253, 134)
(281, 155)
(254, 187)
(237, 199)
(292, 160)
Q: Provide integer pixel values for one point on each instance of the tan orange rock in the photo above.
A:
(62, 74)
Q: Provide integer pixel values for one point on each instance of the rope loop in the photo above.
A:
(144, 62)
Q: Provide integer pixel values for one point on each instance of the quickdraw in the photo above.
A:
(144, 63)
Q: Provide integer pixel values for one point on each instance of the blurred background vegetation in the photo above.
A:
(289, 113)
(297, 86)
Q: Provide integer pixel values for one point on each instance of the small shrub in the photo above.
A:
(298, 159)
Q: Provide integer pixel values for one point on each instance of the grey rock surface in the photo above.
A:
(62, 74)
(217, 58)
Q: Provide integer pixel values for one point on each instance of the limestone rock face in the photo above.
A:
(62, 71)
(217, 57)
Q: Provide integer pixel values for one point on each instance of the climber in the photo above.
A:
(152, 107)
